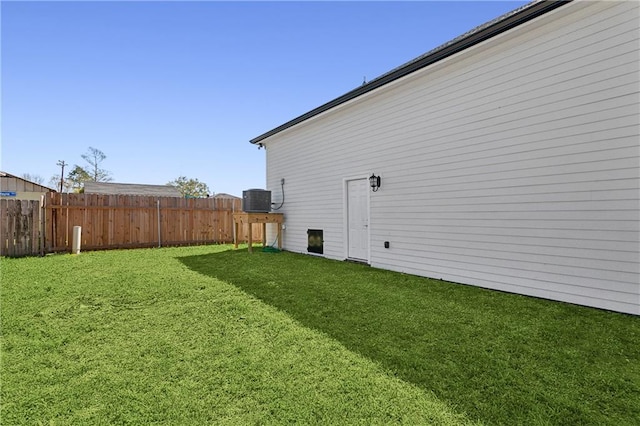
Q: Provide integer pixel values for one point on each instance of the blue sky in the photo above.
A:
(166, 89)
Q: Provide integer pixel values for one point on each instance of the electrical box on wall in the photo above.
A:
(256, 201)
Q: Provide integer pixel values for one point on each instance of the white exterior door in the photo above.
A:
(358, 219)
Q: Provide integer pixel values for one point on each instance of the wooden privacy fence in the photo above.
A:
(129, 221)
(20, 228)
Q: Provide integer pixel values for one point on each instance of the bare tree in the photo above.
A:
(54, 182)
(33, 178)
(95, 157)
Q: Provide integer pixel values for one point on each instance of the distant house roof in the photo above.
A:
(110, 188)
(477, 35)
(224, 195)
(26, 185)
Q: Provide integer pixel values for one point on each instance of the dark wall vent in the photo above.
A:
(315, 241)
(256, 201)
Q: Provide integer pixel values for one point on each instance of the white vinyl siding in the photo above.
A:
(513, 165)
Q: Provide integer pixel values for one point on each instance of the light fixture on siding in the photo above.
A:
(374, 181)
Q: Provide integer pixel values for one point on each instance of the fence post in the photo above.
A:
(42, 224)
(159, 240)
(233, 223)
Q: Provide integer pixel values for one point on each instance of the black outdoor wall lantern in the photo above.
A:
(374, 181)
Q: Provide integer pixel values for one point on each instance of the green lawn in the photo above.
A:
(211, 335)
(136, 337)
(496, 357)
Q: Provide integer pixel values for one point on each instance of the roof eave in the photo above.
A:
(510, 21)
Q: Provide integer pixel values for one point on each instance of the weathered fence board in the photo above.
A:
(122, 221)
(19, 228)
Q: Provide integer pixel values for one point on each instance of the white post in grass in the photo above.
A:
(159, 240)
(77, 237)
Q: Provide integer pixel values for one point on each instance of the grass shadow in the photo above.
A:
(500, 358)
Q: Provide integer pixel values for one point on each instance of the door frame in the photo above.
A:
(345, 216)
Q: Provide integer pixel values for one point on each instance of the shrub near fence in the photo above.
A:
(129, 221)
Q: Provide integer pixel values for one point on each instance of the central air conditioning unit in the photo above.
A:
(256, 201)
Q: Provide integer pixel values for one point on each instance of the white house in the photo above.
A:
(509, 158)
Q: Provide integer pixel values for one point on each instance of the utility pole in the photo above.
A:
(61, 163)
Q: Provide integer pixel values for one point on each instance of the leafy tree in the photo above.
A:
(33, 178)
(76, 179)
(190, 187)
(95, 157)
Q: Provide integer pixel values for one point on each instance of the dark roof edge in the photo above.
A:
(482, 33)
